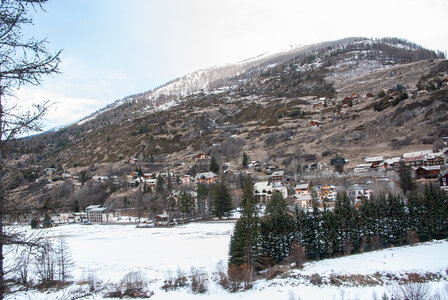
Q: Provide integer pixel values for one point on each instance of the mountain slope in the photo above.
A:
(259, 100)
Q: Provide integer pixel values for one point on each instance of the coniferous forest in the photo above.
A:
(383, 221)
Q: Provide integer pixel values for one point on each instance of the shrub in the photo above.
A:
(297, 255)
(316, 279)
(198, 282)
(412, 237)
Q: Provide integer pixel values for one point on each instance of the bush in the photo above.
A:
(297, 255)
(316, 279)
(198, 282)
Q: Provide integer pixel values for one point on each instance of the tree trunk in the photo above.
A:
(2, 198)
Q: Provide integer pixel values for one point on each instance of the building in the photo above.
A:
(326, 192)
(315, 123)
(374, 161)
(358, 192)
(206, 177)
(302, 189)
(263, 191)
(427, 172)
(98, 214)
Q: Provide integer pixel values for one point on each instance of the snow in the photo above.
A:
(111, 251)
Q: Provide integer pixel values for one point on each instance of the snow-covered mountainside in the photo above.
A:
(343, 59)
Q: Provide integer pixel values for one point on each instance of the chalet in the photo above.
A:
(358, 192)
(303, 201)
(277, 176)
(347, 102)
(100, 178)
(444, 182)
(199, 157)
(147, 175)
(392, 92)
(355, 96)
(206, 177)
(326, 192)
(302, 189)
(186, 179)
(369, 96)
(162, 220)
(263, 191)
(132, 160)
(444, 83)
(362, 168)
(98, 214)
(416, 159)
(150, 182)
(315, 123)
(374, 161)
(435, 159)
(427, 172)
(318, 105)
(422, 92)
(391, 163)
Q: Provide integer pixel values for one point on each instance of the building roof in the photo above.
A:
(373, 159)
(277, 173)
(302, 186)
(206, 175)
(418, 153)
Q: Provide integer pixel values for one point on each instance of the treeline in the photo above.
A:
(384, 221)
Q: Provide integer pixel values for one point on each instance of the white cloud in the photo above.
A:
(63, 109)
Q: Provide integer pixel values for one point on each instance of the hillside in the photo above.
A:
(258, 106)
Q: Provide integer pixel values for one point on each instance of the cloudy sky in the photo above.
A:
(116, 48)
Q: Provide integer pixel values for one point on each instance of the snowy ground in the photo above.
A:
(111, 251)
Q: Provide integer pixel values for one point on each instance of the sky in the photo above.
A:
(116, 48)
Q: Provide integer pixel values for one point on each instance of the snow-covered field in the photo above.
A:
(111, 251)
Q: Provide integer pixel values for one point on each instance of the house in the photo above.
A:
(369, 96)
(358, 192)
(199, 156)
(206, 177)
(303, 201)
(427, 172)
(391, 163)
(347, 102)
(435, 159)
(416, 159)
(444, 83)
(355, 96)
(422, 92)
(362, 168)
(263, 191)
(326, 192)
(444, 182)
(318, 105)
(98, 214)
(132, 160)
(162, 220)
(315, 123)
(186, 179)
(374, 161)
(302, 189)
(392, 92)
(277, 176)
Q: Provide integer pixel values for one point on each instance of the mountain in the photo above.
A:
(264, 106)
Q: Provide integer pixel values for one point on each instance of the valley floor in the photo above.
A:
(108, 252)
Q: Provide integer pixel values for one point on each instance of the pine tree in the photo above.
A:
(214, 167)
(277, 229)
(160, 185)
(186, 203)
(406, 181)
(222, 201)
(246, 238)
(245, 160)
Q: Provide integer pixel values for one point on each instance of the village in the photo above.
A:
(374, 175)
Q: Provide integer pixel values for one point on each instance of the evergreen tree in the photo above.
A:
(186, 203)
(222, 201)
(277, 229)
(160, 185)
(245, 160)
(214, 167)
(246, 238)
(169, 183)
(406, 181)
(202, 198)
